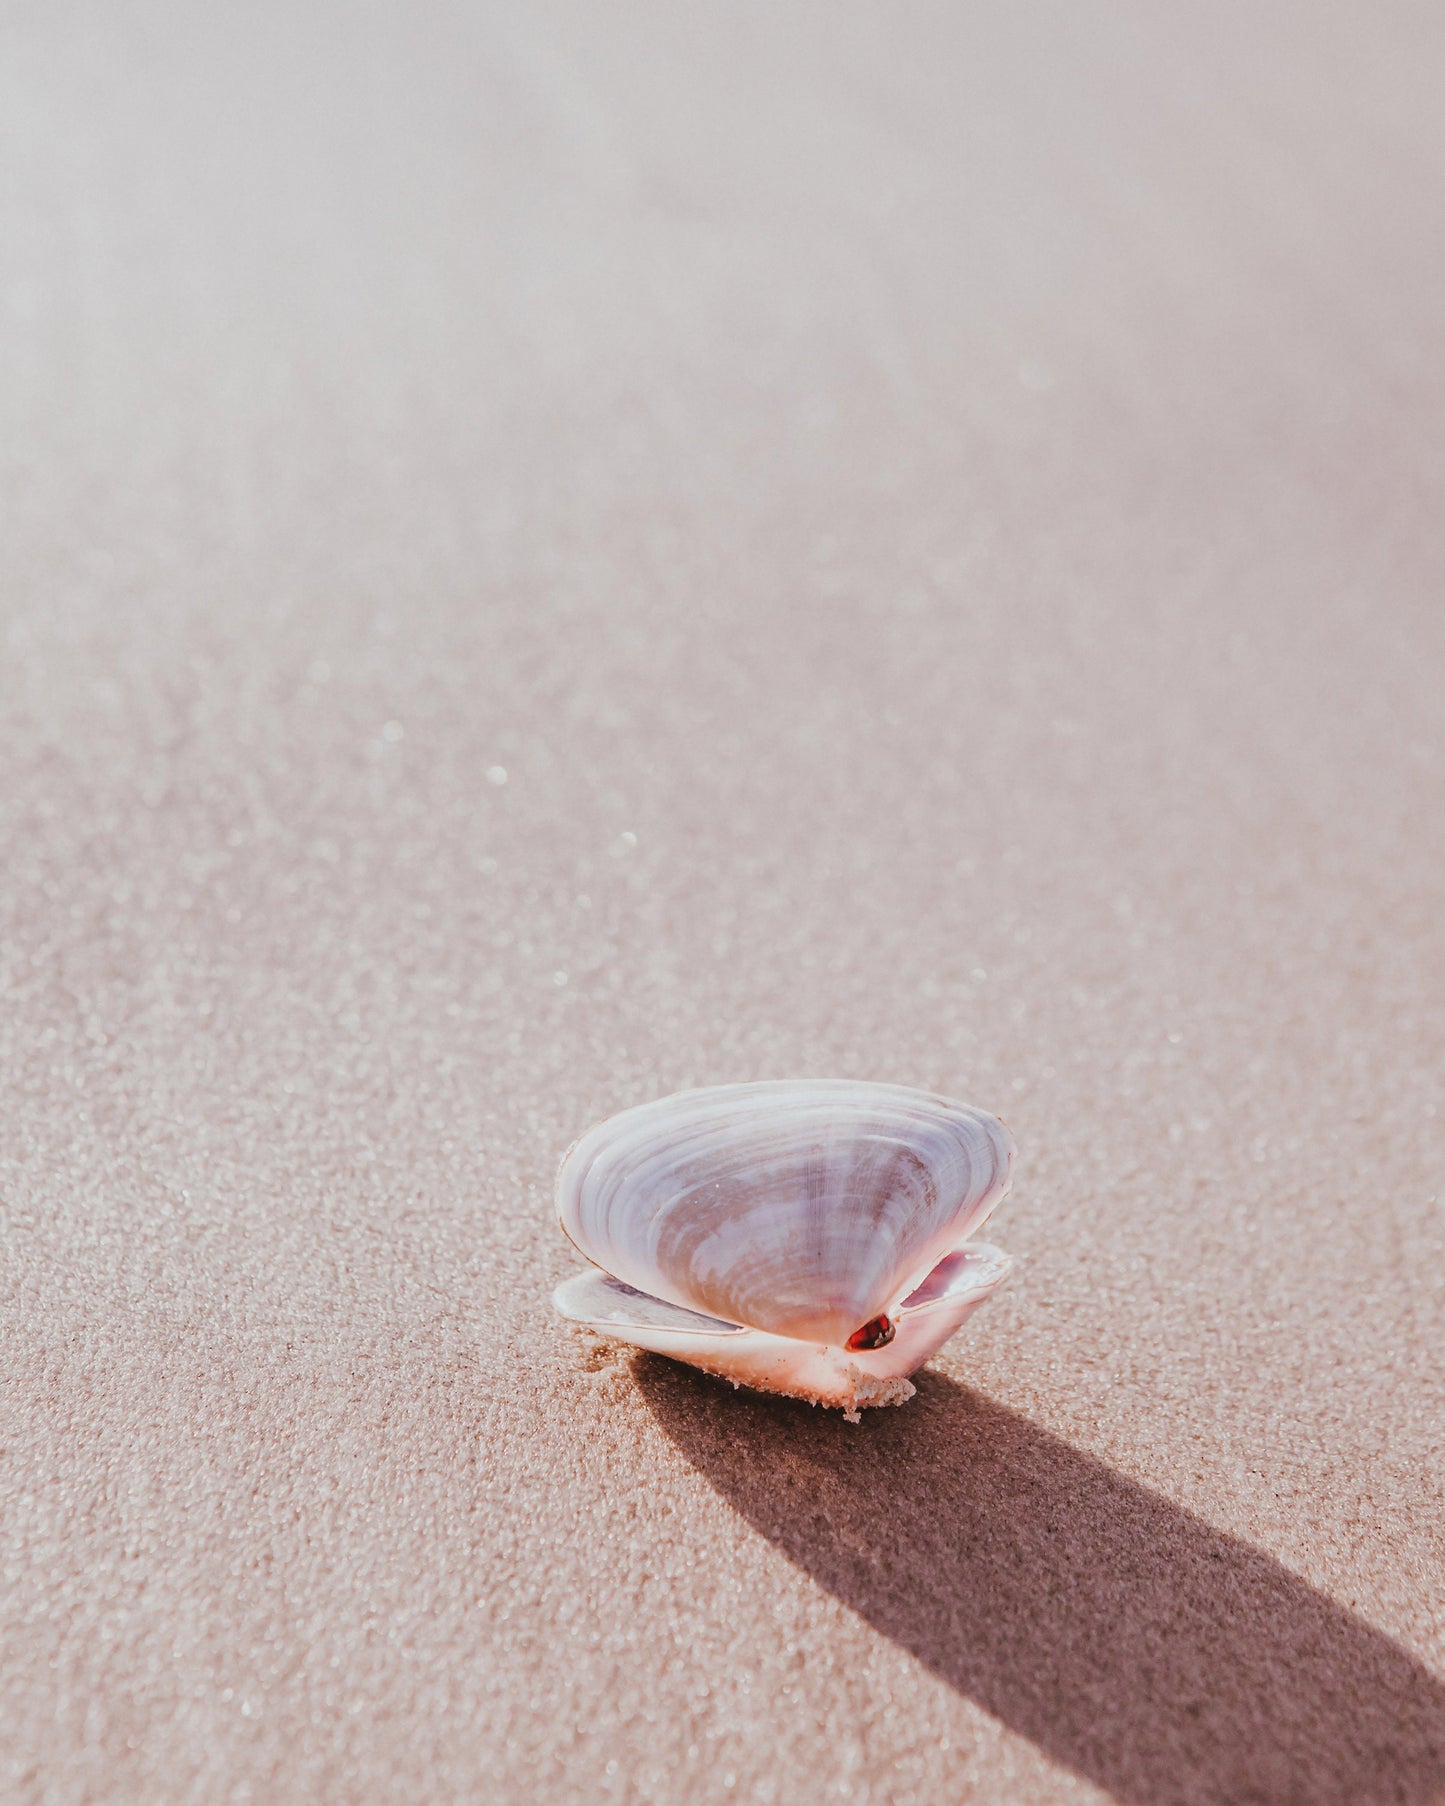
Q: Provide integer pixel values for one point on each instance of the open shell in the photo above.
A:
(803, 1236)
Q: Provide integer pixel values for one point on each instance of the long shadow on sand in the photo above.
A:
(1168, 1663)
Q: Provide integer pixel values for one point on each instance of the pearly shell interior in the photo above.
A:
(756, 1228)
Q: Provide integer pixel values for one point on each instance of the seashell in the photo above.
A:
(804, 1236)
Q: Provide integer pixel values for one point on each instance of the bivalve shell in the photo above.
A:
(802, 1236)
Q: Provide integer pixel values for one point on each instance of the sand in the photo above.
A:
(552, 555)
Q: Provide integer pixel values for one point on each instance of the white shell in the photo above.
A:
(753, 1229)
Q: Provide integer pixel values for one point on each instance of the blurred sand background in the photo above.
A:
(553, 554)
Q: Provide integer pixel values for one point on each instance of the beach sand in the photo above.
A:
(556, 554)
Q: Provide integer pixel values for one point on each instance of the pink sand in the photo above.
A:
(551, 555)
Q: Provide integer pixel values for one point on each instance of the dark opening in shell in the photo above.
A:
(877, 1332)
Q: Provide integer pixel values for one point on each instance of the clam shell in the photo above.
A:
(754, 1229)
